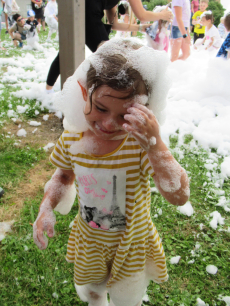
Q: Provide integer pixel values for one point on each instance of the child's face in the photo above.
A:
(203, 6)
(107, 114)
(205, 22)
(31, 18)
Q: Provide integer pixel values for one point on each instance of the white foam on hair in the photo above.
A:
(205, 13)
(151, 64)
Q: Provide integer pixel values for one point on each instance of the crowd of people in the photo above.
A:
(21, 29)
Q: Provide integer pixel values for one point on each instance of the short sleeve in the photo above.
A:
(61, 157)
(194, 16)
(177, 3)
(146, 167)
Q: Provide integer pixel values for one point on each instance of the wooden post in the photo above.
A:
(71, 18)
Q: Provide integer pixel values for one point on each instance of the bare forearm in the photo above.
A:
(170, 178)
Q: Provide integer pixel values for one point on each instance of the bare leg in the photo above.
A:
(95, 295)
(185, 51)
(43, 25)
(6, 20)
(175, 48)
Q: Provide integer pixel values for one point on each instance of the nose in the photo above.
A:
(110, 124)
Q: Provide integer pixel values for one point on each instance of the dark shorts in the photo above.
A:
(176, 33)
(23, 37)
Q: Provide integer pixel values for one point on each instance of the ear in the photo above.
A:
(83, 90)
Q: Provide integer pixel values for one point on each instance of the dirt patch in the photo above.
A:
(39, 136)
(35, 179)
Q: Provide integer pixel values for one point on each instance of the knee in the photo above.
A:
(94, 295)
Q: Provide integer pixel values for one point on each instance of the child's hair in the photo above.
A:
(227, 21)
(117, 73)
(15, 16)
(205, 1)
(122, 7)
(122, 64)
(208, 16)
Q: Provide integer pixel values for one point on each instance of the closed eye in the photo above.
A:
(100, 109)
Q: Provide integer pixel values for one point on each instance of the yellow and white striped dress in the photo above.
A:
(122, 251)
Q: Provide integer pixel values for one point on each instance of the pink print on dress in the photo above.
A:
(108, 182)
(103, 189)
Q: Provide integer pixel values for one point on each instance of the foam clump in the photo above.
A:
(151, 64)
(199, 302)
(175, 260)
(35, 123)
(216, 218)
(186, 209)
(5, 227)
(211, 269)
(21, 133)
(48, 146)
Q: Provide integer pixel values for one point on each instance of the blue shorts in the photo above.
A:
(176, 33)
(23, 37)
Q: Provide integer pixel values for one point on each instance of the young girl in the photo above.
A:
(111, 146)
(212, 40)
(159, 41)
(51, 18)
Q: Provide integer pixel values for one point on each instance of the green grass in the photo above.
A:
(15, 162)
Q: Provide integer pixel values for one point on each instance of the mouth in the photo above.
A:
(105, 131)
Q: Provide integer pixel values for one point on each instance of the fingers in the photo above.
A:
(44, 223)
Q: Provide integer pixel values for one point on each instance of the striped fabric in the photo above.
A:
(97, 253)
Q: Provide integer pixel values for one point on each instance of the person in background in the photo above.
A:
(124, 12)
(37, 7)
(19, 30)
(1, 48)
(32, 22)
(212, 40)
(51, 11)
(225, 48)
(6, 16)
(96, 31)
(180, 37)
(199, 30)
(222, 29)
(194, 9)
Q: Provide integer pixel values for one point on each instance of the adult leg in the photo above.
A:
(175, 48)
(53, 73)
(6, 20)
(185, 48)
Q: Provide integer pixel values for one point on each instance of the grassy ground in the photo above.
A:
(30, 277)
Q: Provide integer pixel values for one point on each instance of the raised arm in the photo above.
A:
(121, 26)
(170, 178)
(144, 15)
(55, 191)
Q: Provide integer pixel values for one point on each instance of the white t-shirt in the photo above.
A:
(213, 33)
(186, 11)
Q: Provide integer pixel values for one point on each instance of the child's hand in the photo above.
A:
(143, 125)
(44, 223)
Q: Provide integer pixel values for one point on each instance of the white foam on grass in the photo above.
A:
(211, 269)
(175, 260)
(186, 209)
(21, 133)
